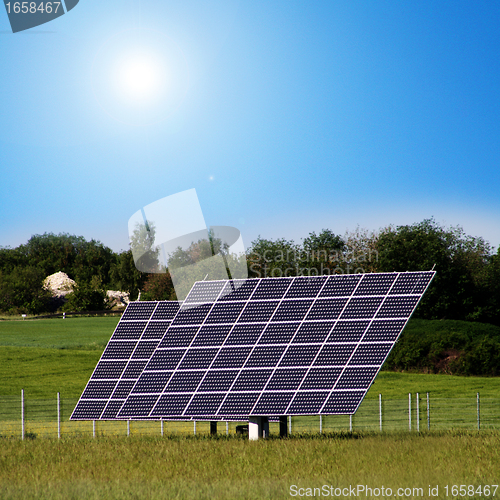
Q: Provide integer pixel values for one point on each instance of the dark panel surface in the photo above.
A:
(271, 346)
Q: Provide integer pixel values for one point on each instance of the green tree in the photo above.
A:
(144, 250)
(459, 260)
(488, 298)
(21, 291)
(78, 258)
(87, 297)
(158, 286)
(206, 258)
(324, 253)
(125, 276)
(268, 258)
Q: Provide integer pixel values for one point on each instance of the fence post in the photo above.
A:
(22, 414)
(350, 422)
(289, 424)
(321, 424)
(128, 428)
(227, 428)
(380, 410)
(161, 427)
(409, 410)
(93, 428)
(478, 414)
(418, 413)
(428, 414)
(58, 416)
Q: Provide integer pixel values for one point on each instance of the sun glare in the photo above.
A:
(140, 77)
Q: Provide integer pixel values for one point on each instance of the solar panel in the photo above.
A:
(256, 347)
(141, 328)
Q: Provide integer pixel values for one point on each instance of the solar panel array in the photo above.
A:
(255, 347)
(140, 330)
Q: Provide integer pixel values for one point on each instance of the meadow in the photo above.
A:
(47, 356)
(44, 357)
(234, 468)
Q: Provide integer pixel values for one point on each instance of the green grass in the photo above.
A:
(69, 333)
(234, 468)
(393, 385)
(47, 356)
(44, 357)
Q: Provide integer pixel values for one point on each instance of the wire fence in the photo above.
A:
(24, 418)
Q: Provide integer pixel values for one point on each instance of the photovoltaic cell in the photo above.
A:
(273, 288)
(375, 284)
(326, 309)
(138, 311)
(348, 331)
(123, 389)
(180, 336)
(279, 333)
(258, 312)
(218, 380)
(313, 332)
(321, 378)
(286, 380)
(340, 285)
(245, 334)
(137, 335)
(307, 402)
(270, 346)
(384, 330)
(251, 380)
(304, 287)
(299, 355)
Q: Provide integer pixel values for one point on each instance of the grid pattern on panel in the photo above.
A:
(140, 330)
(269, 346)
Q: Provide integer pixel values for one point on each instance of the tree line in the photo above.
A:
(466, 286)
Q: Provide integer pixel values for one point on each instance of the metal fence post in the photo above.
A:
(227, 428)
(128, 428)
(418, 413)
(428, 414)
(321, 424)
(380, 410)
(478, 414)
(22, 414)
(161, 427)
(58, 416)
(350, 422)
(409, 410)
(93, 428)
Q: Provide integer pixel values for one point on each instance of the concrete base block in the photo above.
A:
(258, 427)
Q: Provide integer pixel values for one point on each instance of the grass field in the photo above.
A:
(44, 357)
(234, 468)
(47, 356)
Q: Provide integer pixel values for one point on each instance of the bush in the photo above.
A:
(87, 297)
(447, 346)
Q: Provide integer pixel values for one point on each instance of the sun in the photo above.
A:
(141, 77)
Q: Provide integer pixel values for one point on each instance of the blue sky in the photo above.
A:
(286, 116)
